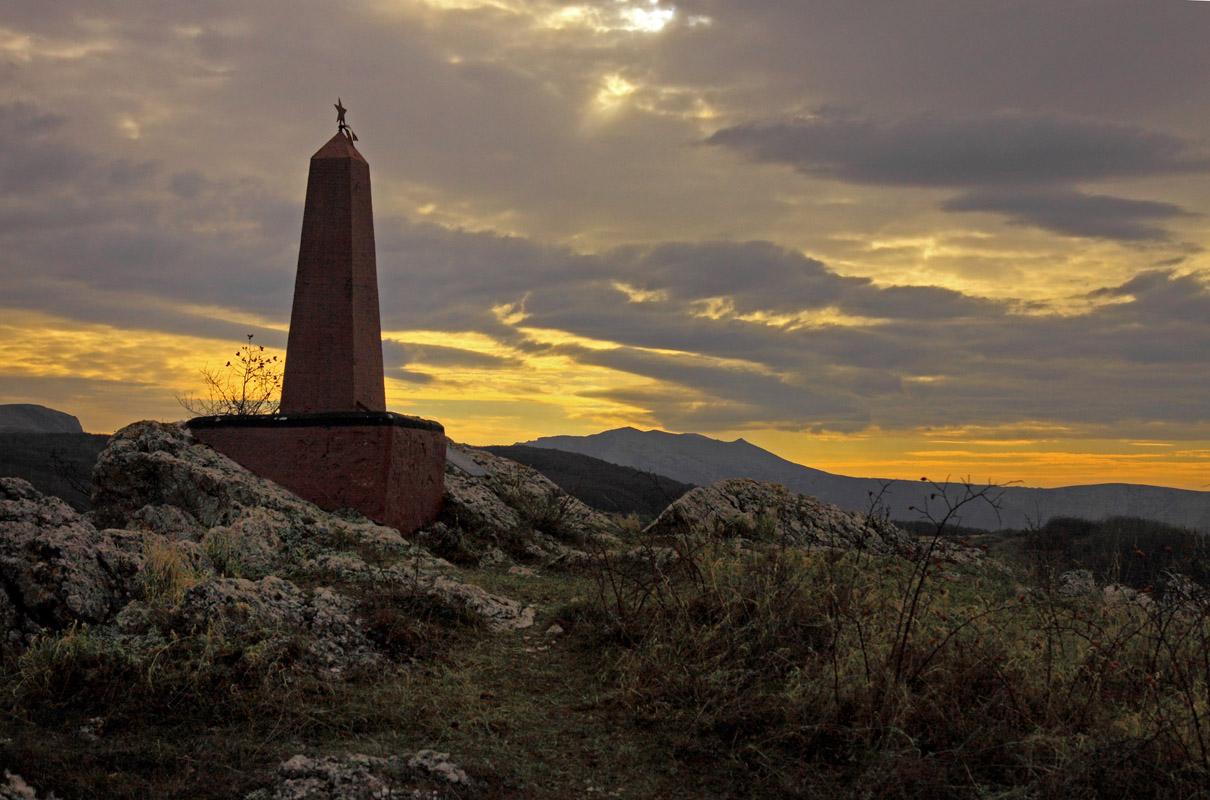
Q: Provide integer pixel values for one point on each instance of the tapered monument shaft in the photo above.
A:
(334, 352)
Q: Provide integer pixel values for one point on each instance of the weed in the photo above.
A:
(166, 573)
(222, 548)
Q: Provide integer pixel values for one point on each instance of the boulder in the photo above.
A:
(56, 568)
(769, 512)
(158, 464)
(494, 494)
(1075, 583)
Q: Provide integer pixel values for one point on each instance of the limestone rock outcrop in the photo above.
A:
(498, 503)
(187, 526)
(154, 479)
(769, 512)
(500, 613)
(504, 495)
(55, 566)
(156, 464)
(272, 609)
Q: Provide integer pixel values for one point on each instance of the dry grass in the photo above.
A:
(710, 670)
(845, 675)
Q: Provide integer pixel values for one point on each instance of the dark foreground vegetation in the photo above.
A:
(59, 464)
(718, 670)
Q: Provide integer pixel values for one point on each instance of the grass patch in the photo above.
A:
(412, 625)
(846, 675)
(709, 671)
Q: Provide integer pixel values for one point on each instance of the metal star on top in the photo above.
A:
(341, 125)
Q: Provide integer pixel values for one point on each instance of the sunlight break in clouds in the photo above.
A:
(622, 16)
(639, 16)
(24, 48)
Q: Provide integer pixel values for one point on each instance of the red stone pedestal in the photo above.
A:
(387, 466)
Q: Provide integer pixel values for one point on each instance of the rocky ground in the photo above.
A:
(184, 545)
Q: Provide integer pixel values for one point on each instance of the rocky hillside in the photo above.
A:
(202, 633)
(184, 542)
(164, 503)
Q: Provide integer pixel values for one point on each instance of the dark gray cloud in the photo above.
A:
(33, 155)
(1074, 213)
(758, 397)
(404, 354)
(1021, 166)
(411, 376)
(1114, 364)
(999, 149)
(82, 222)
(1109, 57)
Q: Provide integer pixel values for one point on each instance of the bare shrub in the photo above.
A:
(247, 385)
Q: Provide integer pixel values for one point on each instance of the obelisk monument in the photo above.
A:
(333, 441)
(334, 355)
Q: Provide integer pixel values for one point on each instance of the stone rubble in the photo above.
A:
(362, 777)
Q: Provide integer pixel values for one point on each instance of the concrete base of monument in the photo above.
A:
(387, 466)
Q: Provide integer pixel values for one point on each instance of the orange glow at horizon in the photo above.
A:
(551, 394)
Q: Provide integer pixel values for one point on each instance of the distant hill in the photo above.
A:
(701, 460)
(600, 484)
(29, 418)
(55, 463)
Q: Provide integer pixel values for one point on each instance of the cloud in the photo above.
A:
(1000, 149)
(410, 376)
(404, 354)
(1021, 166)
(84, 227)
(1073, 213)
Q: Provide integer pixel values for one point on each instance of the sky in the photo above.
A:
(889, 239)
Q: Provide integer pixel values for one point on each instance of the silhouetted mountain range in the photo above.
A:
(701, 460)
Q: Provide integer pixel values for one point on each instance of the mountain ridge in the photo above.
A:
(694, 458)
(31, 418)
